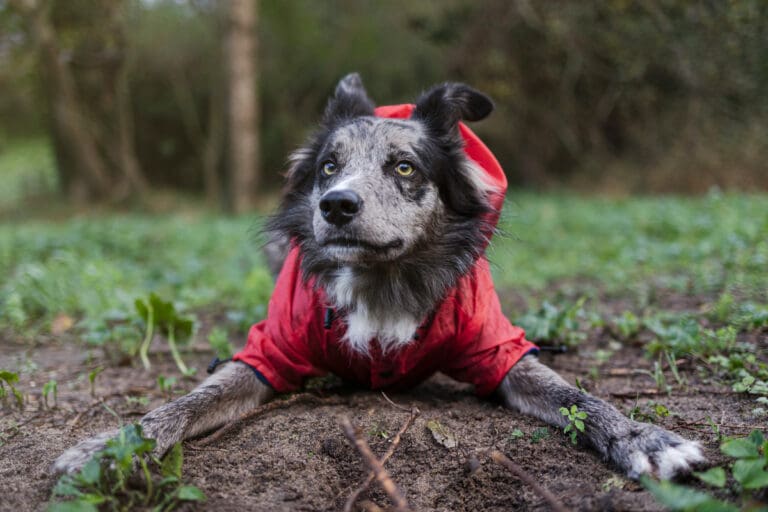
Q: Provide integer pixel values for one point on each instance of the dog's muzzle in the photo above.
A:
(338, 207)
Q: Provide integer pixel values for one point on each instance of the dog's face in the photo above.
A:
(371, 199)
(369, 190)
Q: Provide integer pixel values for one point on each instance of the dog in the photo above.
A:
(380, 241)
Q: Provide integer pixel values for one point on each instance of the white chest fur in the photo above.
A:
(393, 329)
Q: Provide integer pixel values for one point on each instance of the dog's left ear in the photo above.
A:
(349, 100)
(443, 106)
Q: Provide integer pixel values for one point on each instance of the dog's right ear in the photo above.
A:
(349, 100)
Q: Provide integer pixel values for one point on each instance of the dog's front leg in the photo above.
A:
(222, 397)
(635, 448)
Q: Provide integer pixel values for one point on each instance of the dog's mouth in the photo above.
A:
(355, 243)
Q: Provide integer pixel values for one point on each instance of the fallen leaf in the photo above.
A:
(441, 434)
(61, 324)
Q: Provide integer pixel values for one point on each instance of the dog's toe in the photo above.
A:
(676, 460)
(648, 449)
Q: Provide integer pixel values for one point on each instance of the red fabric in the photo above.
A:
(467, 337)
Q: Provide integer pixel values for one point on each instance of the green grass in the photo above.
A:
(93, 270)
(705, 245)
(26, 169)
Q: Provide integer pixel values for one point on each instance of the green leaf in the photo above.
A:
(581, 415)
(91, 472)
(73, 506)
(564, 411)
(66, 487)
(678, 497)
(713, 476)
(739, 449)
(172, 462)
(568, 428)
(579, 425)
(9, 377)
(19, 397)
(190, 493)
(756, 437)
(750, 473)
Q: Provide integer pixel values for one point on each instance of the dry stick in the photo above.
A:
(370, 506)
(516, 470)
(271, 406)
(401, 505)
(656, 392)
(102, 399)
(390, 451)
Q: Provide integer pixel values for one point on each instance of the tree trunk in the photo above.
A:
(129, 162)
(70, 124)
(243, 102)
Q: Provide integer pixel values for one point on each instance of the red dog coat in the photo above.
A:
(467, 337)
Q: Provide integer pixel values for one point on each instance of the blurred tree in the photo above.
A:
(243, 102)
(660, 95)
(94, 161)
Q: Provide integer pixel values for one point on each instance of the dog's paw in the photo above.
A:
(648, 449)
(73, 460)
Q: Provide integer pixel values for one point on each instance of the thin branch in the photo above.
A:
(271, 406)
(516, 470)
(386, 482)
(390, 451)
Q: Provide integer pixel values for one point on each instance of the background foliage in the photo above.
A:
(620, 96)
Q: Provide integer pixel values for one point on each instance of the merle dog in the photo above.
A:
(383, 228)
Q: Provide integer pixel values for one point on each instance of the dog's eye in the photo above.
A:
(404, 168)
(330, 168)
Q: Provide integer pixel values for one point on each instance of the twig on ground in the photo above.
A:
(102, 400)
(271, 406)
(656, 392)
(390, 451)
(516, 470)
(381, 474)
(396, 406)
(724, 425)
(370, 506)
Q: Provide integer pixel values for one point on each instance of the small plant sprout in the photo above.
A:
(166, 384)
(50, 388)
(7, 380)
(92, 379)
(162, 315)
(575, 419)
(627, 325)
(104, 480)
(516, 434)
(539, 434)
(221, 346)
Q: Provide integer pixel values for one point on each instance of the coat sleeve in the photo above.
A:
(278, 348)
(487, 345)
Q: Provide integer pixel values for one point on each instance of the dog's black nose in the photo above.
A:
(340, 206)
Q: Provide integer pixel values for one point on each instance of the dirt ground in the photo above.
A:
(296, 458)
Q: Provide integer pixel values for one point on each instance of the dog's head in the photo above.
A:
(367, 190)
